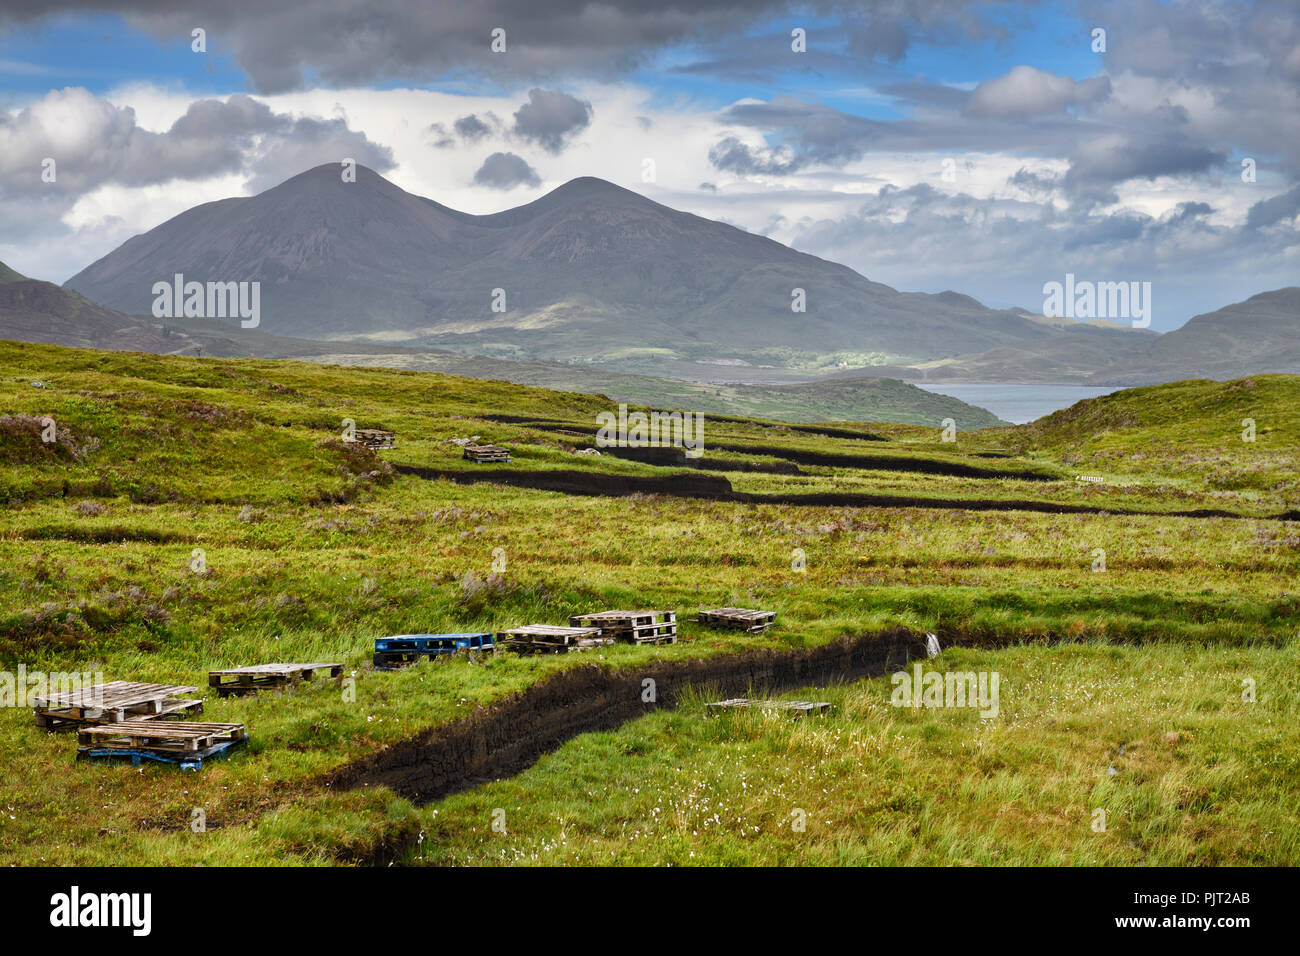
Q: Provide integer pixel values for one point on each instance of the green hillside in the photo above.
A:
(865, 532)
(1198, 429)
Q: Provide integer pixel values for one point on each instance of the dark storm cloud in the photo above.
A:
(864, 37)
(1032, 182)
(356, 42)
(732, 156)
(1101, 164)
(506, 171)
(470, 128)
(550, 117)
(808, 133)
(1279, 208)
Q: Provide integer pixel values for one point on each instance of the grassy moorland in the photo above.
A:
(312, 547)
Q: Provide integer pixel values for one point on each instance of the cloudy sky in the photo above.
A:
(933, 144)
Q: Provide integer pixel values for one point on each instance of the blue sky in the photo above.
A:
(102, 52)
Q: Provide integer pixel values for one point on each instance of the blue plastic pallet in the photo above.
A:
(190, 760)
(432, 643)
(407, 648)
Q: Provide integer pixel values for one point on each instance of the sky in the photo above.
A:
(988, 148)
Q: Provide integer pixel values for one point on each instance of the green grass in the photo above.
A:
(1159, 739)
(313, 549)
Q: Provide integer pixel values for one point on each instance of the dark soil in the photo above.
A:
(717, 488)
(508, 738)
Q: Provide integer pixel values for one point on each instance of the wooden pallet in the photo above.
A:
(248, 680)
(112, 702)
(739, 618)
(796, 708)
(485, 453)
(68, 718)
(374, 438)
(551, 639)
(158, 736)
(633, 627)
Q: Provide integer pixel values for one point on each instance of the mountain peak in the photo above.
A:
(9, 275)
(588, 262)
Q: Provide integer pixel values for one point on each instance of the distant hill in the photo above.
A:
(1261, 334)
(34, 311)
(1195, 427)
(590, 271)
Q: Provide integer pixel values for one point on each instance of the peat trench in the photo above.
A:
(508, 737)
(717, 488)
(828, 431)
(792, 456)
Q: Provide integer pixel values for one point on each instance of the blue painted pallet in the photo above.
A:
(408, 648)
(432, 643)
(189, 760)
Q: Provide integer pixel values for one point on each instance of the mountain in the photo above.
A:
(589, 272)
(1261, 334)
(41, 312)
(35, 311)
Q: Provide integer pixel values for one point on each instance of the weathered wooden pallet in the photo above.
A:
(797, 708)
(67, 719)
(408, 648)
(248, 680)
(374, 438)
(186, 760)
(634, 627)
(551, 639)
(111, 702)
(158, 736)
(739, 618)
(486, 453)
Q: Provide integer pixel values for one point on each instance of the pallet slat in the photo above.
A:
(158, 735)
(798, 708)
(66, 719)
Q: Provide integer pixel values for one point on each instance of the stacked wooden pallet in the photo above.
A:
(113, 702)
(633, 627)
(551, 639)
(739, 618)
(796, 708)
(374, 438)
(176, 742)
(247, 680)
(485, 453)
